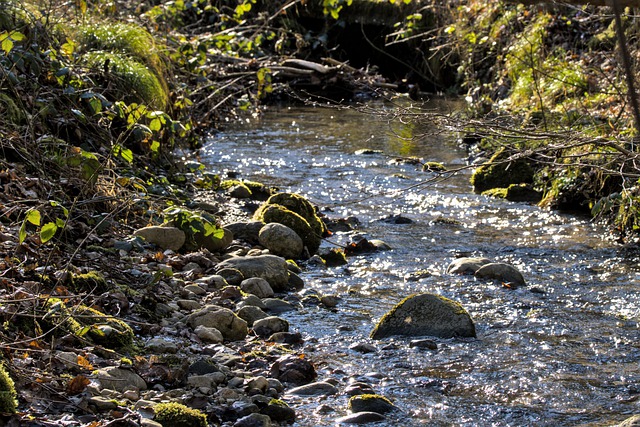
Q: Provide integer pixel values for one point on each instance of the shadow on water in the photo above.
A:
(561, 351)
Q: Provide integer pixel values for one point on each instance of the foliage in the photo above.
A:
(174, 414)
(8, 401)
(196, 225)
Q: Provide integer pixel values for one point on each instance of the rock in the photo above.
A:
(209, 380)
(426, 315)
(499, 172)
(224, 320)
(320, 388)
(281, 240)
(203, 366)
(251, 314)
(119, 379)
(330, 301)
(279, 411)
(252, 300)
(195, 289)
(272, 268)
(161, 345)
(270, 325)
(253, 420)
(371, 403)
(239, 191)
(214, 281)
(278, 306)
(633, 421)
(165, 237)
(247, 231)
(294, 370)
(286, 337)
(231, 276)
(189, 305)
(258, 384)
(428, 344)
(257, 286)
(500, 271)
(466, 265)
(297, 213)
(295, 282)
(363, 347)
(209, 335)
(361, 418)
(103, 403)
(356, 389)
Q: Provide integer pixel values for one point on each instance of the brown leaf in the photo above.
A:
(77, 385)
(83, 362)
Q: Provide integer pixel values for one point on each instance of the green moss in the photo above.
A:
(133, 81)
(433, 167)
(498, 172)
(8, 395)
(104, 330)
(10, 112)
(92, 281)
(120, 37)
(500, 193)
(177, 415)
(258, 190)
(370, 402)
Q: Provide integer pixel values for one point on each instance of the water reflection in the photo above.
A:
(561, 351)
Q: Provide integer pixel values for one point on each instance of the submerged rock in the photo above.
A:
(467, 265)
(371, 403)
(294, 370)
(501, 271)
(361, 418)
(425, 315)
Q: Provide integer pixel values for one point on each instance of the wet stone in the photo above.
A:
(467, 265)
(279, 411)
(363, 347)
(293, 370)
(251, 314)
(424, 343)
(320, 388)
(162, 345)
(257, 286)
(371, 403)
(277, 306)
(501, 271)
(253, 420)
(209, 335)
(361, 418)
(286, 338)
(270, 325)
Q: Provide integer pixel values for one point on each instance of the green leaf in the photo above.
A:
(33, 216)
(23, 232)
(155, 125)
(16, 36)
(60, 222)
(7, 45)
(155, 146)
(48, 231)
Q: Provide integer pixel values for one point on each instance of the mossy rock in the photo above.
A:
(92, 281)
(103, 329)
(500, 173)
(370, 403)
(515, 193)
(133, 81)
(433, 167)
(334, 257)
(86, 321)
(258, 190)
(425, 315)
(8, 395)
(174, 414)
(280, 214)
(293, 203)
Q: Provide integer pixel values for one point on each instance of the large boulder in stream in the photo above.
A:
(425, 315)
(503, 272)
(273, 269)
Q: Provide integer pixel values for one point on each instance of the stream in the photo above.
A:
(561, 351)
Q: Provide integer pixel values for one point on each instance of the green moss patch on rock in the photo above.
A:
(92, 281)
(370, 403)
(499, 172)
(8, 395)
(515, 193)
(257, 190)
(174, 414)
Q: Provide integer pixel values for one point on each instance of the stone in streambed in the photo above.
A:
(425, 315)
(467, 265)
(361, 418)
(270, 325)
(119, 379)
(371, 403)
(501, 271)
(257, 286)
(320, 388)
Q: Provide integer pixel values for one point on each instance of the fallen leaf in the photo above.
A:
(82, 361)
(77, 385)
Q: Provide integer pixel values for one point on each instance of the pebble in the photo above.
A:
(363, 347)
(320, 388)
(424, 343)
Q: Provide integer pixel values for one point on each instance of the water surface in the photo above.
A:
(561, 351)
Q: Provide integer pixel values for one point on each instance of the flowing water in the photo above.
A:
(561, 351)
